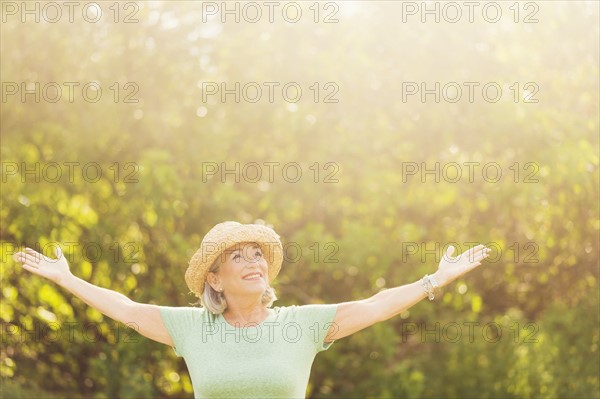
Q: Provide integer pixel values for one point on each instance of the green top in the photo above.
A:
(267, 360)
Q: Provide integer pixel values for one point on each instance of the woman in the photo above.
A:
(236, 344)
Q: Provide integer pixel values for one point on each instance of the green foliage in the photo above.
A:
(134, 229)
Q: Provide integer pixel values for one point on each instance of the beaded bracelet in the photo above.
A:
(430, 286)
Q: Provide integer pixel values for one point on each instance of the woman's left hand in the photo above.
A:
(452, 267)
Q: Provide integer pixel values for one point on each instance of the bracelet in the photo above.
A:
(430, 286)
(426, 288)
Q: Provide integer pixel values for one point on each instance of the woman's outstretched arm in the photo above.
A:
(396, 300)
(357, 315)
(144, 318)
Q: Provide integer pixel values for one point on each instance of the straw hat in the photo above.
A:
(225, 235)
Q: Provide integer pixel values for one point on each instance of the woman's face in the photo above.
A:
(239, 266)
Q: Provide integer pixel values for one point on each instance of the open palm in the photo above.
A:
(37, 263)
(452, 267)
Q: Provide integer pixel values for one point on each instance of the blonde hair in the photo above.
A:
(215, 301)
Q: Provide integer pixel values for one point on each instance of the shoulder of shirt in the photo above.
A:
(290, 312)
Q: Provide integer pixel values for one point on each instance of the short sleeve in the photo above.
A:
(179, 322)
(318, 318)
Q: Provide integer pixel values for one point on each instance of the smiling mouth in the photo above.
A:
(252, 277)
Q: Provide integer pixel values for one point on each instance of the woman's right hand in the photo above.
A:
(56, 270)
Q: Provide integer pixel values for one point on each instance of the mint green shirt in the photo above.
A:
(272, 359)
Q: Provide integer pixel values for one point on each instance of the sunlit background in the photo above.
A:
(117, 142)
